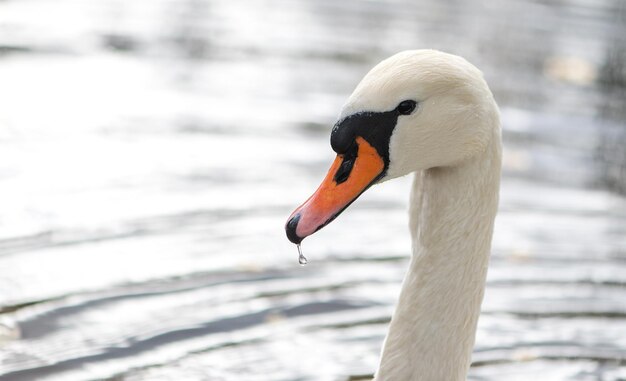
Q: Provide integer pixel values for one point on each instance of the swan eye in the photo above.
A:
(406, 107)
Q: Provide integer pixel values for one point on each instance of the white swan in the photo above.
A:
(431, 113)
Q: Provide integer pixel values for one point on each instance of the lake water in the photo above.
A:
(151, 151)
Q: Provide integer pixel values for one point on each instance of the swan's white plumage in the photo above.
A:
(452, 143)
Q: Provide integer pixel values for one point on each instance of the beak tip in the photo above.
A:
(290, 229)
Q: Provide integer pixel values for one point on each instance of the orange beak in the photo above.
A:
(337, 191)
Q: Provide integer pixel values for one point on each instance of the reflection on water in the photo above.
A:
(151, 152)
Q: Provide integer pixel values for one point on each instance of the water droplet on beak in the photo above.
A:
(301, 258)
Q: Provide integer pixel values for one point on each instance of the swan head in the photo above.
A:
(415, 110)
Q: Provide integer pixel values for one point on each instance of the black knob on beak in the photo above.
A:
(342, 137)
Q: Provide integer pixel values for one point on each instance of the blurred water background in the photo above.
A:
(150, 152)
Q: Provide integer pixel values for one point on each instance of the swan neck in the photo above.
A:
(452, 212)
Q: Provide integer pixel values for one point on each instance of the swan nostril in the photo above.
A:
(344, 171)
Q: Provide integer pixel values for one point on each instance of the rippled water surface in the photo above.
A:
(150, 152)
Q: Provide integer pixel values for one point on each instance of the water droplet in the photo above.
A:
(301, 258)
